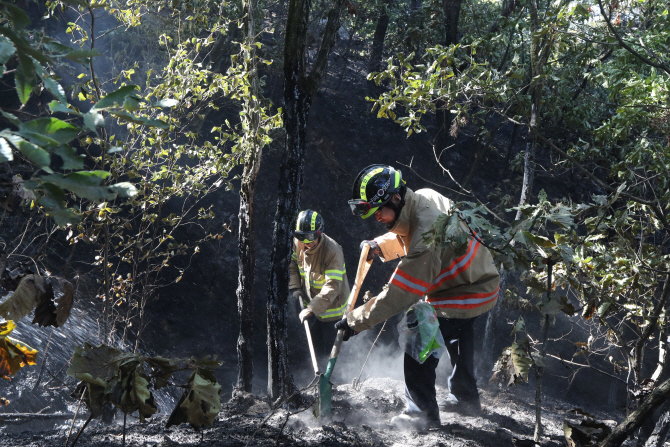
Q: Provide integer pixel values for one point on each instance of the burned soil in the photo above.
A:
(361, 417)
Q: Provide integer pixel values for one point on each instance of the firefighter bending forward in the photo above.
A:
(459, 287)
(318, 279)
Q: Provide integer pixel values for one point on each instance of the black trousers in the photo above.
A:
(459, 336)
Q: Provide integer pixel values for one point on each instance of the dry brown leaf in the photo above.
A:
(36, 292)
(45, 312)
(24, 299)
(64, 301)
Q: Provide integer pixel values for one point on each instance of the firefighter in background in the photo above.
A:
(460, 288)
(318, 279)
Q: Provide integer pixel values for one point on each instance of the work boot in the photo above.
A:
(414, 420)
(466, 407)
(447, 403)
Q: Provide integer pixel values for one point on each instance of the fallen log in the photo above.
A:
(4, 417)
(660, 433)
(634, 420)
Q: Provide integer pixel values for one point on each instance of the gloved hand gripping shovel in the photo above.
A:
(324, 402)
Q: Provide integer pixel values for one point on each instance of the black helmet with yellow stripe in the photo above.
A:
(374, 187)
(308, 226)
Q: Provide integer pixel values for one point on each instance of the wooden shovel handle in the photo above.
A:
(363, 267)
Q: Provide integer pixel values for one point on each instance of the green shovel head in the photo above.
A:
(324, 402)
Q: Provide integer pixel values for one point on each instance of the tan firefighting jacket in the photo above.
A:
(457, 286)
(321, 274)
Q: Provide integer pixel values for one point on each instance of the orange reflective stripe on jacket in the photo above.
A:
(409, 283)
(469, 301)
(466, 301)
(458, 266)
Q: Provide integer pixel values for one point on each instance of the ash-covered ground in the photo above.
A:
(361, 417)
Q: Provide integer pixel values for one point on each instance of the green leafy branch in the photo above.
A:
(41, 139)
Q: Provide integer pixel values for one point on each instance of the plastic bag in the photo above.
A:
(419, 332)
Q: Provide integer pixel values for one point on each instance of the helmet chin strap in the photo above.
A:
(397, 208)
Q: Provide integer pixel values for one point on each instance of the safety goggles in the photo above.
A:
(360, 207)
(364, 209)
(306, 237)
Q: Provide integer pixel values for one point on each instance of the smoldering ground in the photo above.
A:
(360, 417)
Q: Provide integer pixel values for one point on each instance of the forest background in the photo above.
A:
(144, 142)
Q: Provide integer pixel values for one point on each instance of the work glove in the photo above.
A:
(374, 249)
(306, 315)
(298, 297)
(344, 325)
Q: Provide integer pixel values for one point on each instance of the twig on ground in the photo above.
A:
(65, 385)
(281, 430)
(74, 418)
(279, 404)
(90, 416)
(44, 359)
(356, 384)
(6, 417)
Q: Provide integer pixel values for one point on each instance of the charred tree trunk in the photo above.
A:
(245, 281)
(540, 48)
(660, 433)
(245, 243)
(477, 158)
(637, 417)
(297, 101)
(298, 91)
(539, 370)
(377, 50)
(528, 164)
(452, 11)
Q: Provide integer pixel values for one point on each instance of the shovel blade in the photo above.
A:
(324, 402)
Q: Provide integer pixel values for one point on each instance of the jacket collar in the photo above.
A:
(317, 247)
(401, 225)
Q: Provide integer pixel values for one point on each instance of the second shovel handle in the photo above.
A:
(363, 267)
